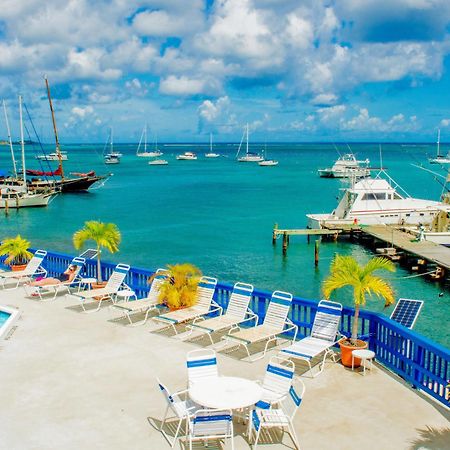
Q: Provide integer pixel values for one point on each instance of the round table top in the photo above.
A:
(365, 354)
(226, 393)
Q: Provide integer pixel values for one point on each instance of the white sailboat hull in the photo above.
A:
(212, 155)
(149, 154)
(24, 200)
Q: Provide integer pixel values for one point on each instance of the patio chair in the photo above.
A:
(209, 424)
(115, 282)
(181, 410)
(275, 323)
(34, 268)
(204, 305)
(201, 365)
(323, 336)
(281, 417)
(277, 382)
(236, 314)
(55, 289)
(148, 304)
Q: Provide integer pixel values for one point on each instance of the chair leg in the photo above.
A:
(293, 436)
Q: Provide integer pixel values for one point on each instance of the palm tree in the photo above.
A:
(16, 249)
(179, 289)
(345, 271)
(105, 235)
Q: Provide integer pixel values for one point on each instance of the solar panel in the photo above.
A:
(90, 253)
(406, 312)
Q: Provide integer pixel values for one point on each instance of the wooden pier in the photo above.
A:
(424, 256)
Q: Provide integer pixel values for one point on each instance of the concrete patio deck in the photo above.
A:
(71, 380)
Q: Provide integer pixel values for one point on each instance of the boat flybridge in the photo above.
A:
(347, 166)
(376, 201)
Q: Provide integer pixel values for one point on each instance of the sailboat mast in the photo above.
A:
(438, 143)
(55, 130)
(111, 143)
(10, 140)
(210, 142)
(145, 138)
(22, 144)
(247, 139)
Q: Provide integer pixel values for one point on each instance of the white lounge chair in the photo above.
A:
(115, 282)
(204, 305)
(201, 365)
(236, 314)
(208, 424)
(150, 303)
(323, 336)
(181, 410)
(34, 268)
(280, 417)
(275, 323)
(55, 289)
(277, 382)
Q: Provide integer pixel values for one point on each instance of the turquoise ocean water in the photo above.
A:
(219, 215)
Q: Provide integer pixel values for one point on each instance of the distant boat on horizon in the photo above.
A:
(249, 156)
(146, 154)
(211, 154)
(440, 159)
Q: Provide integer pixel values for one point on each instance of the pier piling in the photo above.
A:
(285, 243)
(316, 252)
(274, 234)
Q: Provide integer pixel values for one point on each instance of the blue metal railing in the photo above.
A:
(420, 361)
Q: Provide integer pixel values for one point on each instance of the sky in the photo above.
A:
(294, 70)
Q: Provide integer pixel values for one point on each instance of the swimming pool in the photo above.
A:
(7, 317)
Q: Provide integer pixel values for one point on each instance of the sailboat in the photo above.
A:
(211, 154)
(80, 181)
(440, 159)
(15, 193)
(249, 156)
(267, 162)
(145, 154)
(112, 157)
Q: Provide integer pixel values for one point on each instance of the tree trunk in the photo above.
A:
(355, 325)
(99, 266)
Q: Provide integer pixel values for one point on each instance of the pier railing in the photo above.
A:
(422, 363)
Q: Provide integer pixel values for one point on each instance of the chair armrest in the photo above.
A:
(215, 307)
(251, 316)
(291, 326)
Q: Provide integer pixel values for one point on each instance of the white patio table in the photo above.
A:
(226, 393)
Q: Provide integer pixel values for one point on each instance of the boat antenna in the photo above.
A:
(10, 140)
(381, 158)
(438, 143)
(55, 130)
(22, 143)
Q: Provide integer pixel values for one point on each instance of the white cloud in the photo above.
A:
(184, 86)
(82, 112)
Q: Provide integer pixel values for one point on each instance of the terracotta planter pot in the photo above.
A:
(18, 267)
(347, 349)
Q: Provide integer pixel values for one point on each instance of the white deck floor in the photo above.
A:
(71, 380)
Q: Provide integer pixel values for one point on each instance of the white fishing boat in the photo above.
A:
(376, 201)
(158, 162)
(211, 154)
(53, 157)
(440, 159)
(347, 166)
(187, 156)
(147, 154)
(112, 157)
(18, 195)
(249, 156)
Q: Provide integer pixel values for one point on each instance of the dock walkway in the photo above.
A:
(404, 241)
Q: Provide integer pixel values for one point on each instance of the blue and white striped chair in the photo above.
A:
(276, 322)
(280, 417)
(181, 410)
(55, 289)
(204, 305)
(115, 282)
(277, 382)
(209, 424)
(201, 365)
(236, 314)
(33, 269)
(324, 333)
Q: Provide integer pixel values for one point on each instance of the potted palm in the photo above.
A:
(179, 289)
(105, 235)
(345, 271)
(17, 252)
